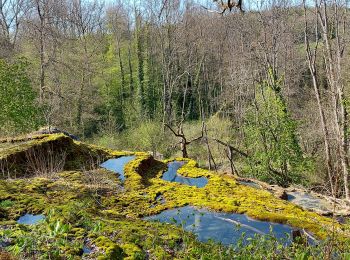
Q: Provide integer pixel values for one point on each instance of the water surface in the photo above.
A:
(29, 219)
(172, 176)
(86, 250)
(226, 228)
(117, 165)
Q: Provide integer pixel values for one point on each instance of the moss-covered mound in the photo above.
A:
(28, 156)
(87, 207)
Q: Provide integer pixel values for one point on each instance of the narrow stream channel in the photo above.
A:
(172, 176)
(117, 165)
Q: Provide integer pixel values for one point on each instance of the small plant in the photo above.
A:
(45, 162)
(48, 239)
(6, 203)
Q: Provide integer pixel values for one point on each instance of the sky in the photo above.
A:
(248, 4)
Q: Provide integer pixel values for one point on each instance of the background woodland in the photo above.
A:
(260, 94)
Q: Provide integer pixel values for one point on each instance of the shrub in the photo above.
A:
(271, 141)
(19, 112)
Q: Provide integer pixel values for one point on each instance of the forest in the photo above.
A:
(257, 90)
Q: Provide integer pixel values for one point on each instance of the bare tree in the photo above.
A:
(86, 18)
(228, 5)
(44, 10)
(334, 47)
(11, 13)
(312, 57)
(184, 142)
(330, 28)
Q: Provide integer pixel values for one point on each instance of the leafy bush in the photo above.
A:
(271, 141)
(148, 136)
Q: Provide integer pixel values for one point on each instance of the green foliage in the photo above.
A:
(50, 238)
(19, 112)
(271, 141)
(148, 136)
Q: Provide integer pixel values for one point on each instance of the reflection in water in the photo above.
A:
(226, 228)
(117, 165)
(29, 219)
(172, 176)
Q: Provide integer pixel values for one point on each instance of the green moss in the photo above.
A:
(78, 155)
(132, 251)
(110, 249)
(138, 172)
(94, 206)
(16, 146)
(223, 194)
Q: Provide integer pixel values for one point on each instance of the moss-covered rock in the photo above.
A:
(26, 157)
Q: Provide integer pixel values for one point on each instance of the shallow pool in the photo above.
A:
(117, 165)
(172, 176)
(226, 228)
(29, 219)
(307, 201)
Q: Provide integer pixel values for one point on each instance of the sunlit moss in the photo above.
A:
(96, 207)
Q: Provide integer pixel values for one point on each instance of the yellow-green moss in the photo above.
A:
(139, 171)
(222, 193)
(22, 144)
(132, 251)
(78, 155)
(87, 199)
(110, 249)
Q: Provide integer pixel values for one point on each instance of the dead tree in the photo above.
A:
(224, 6)
(210, 154)
(11, 18)
(333, 54)
(311, 58)
(184, 142)
(230, 154)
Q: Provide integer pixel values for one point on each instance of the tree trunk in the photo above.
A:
(333, 67)
(122, 73)
(184, 148)
(311, 57)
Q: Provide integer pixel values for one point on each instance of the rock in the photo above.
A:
(282, 194)
(4, 244)
(54, 130)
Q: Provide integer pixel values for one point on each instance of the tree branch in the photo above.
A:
(172, 130)
(231, 147)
